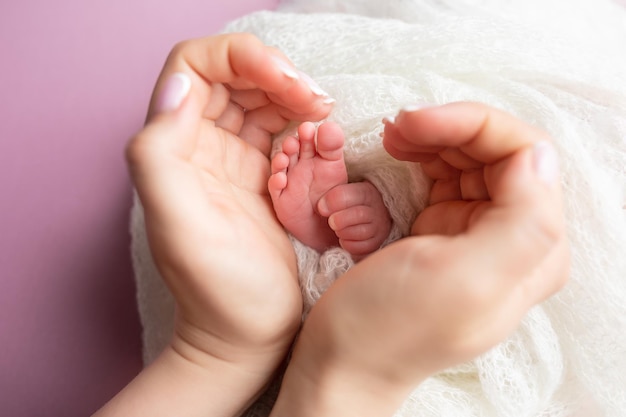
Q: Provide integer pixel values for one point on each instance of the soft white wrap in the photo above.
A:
(560, 65)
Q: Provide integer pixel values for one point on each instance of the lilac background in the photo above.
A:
(75, 79)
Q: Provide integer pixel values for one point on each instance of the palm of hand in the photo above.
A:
(246, 259)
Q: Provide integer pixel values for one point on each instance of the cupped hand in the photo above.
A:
(200, 167)
(489, 246)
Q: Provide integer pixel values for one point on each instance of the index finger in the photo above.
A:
(243, 62)
(483, 133)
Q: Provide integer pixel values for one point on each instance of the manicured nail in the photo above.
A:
(414, 107)
(546, 162)
(329, 100)
(174, 91)
(315, 88)
(389, 120)
(285, 68)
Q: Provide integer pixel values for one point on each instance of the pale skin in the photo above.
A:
(313, 199)
(490, 245)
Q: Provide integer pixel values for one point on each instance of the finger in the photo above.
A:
(438, 169)
(484, 134)
(445, 190)
(458, 159)
(157, 154)
(473, 186)
(232, 118)
(525, 222)
(449, 217)
(243, 62)
(249, 99)
(177, 107)
(260, 124)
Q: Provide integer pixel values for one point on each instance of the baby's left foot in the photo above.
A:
(301, 174)
(358, 216)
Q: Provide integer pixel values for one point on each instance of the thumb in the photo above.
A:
(525, 221)
(173, 120)
(157, 155)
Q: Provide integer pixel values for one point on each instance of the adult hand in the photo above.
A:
(201, 167)
(490, 245)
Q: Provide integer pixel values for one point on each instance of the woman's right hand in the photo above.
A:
(200, 166)
(490, 245)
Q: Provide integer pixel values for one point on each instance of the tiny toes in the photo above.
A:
(291, 146)
(280, 162)
(306, 135)
(357, 232)
(330, 140)
(359, 248)
(276, 183)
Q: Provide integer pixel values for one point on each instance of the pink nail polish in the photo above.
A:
(285, 68)
(315, 88)
(173, 92)
(546, 162)
(409, 108)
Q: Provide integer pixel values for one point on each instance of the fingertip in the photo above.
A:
(546, 163)
(526, 221)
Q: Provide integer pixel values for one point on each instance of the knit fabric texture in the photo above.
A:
(558, 65)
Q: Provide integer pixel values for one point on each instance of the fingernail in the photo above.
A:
(329, 100)
(389, 120)
(414, 107)
(174, 91)
(285, 68)
(546, 162)
(315, 88)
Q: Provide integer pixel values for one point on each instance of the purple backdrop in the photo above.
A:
(75, 79)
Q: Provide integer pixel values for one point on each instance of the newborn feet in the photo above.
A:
(313, 199)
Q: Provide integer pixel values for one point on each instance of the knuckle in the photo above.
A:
(132, 151)
(247, 38)
(136, 151)
(179, 49)
(543, 231)
(477, 294)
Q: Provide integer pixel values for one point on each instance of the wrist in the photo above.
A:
(186, 382)
(319, 388)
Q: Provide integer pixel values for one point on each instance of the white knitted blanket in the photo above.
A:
(560, 65)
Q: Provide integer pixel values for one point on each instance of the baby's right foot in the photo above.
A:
(358, 216)
(301, 174)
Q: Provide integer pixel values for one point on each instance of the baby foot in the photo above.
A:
(301, 174)
(357, 214)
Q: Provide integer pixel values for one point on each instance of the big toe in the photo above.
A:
(330, 140)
